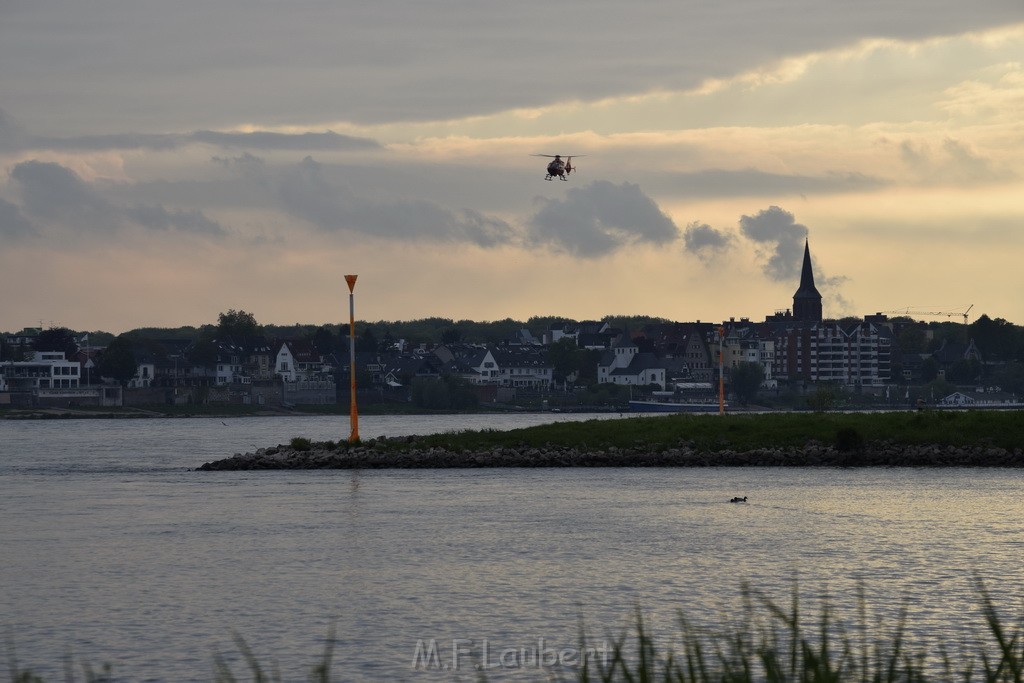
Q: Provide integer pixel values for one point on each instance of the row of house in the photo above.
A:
(794, 346)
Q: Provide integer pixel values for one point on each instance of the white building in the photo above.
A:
(624, 364)
(297, 361)
(527, 370)
(47, 370)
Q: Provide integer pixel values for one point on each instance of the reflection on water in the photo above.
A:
(114, 549)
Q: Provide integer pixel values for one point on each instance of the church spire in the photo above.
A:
(807, 300)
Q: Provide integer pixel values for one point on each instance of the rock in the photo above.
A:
(375, 454)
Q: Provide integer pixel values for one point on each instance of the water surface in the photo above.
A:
(114, 550)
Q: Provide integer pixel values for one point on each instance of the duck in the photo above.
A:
(739, 500)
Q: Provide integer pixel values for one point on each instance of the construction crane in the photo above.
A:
(948, 314)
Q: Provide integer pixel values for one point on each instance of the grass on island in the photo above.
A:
(765, 642)
(751, 431)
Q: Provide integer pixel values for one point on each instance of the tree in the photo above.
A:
(447, 393)
(589, 358)
(366, 342)
(746, 380)
(324, 341)
(237, 325)
(936, 389)
(565, 358)
(203, 353)
(7, 351)
(964, 371)
(57, 339)
(996, 339)
(912, 339)
(929, 369)
(1010, 377)
(429, 393)
(824, 398)
(118, 360)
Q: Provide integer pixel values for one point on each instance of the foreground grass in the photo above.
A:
(768, 642)
(1003, 429)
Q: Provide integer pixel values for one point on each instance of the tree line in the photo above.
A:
(1000, 342)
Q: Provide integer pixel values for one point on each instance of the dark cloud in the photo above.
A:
(266, 61)
(600, 218)
(262, 140)
(311, 191)
(781, 239)
(704, 241)
(12, 223)
(55, 194)
(159, 218)
(244, 161)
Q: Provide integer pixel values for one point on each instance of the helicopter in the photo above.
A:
(557, 167)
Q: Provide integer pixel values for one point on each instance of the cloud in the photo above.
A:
(831, 294)
(159, 218)
(12, 223)
(782, 240)
(748, 182)
(326, 141)
(309, 190)
(439, 61)
(243, 162)
(704, 241)
(13, 136)
(956, 162)
(600, 218)
(11, 133)
(55, 194)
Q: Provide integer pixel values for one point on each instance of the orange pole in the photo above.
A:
(353, 410)
(721, 374)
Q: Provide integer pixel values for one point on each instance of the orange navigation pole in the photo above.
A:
(721, 376)
(353, 410)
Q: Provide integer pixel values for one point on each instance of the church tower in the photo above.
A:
(807, 300)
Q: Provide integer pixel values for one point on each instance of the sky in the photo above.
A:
(161, 163)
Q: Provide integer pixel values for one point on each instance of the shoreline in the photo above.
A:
(137, 413)
(382, 454)
(929, 439)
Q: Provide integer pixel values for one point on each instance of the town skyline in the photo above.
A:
(249, 157)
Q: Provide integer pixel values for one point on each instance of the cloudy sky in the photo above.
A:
(164, 162)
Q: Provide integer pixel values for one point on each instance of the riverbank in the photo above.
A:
(927, 439)
(230, 411)
(812, 455)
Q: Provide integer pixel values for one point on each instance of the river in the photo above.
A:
(113, 550)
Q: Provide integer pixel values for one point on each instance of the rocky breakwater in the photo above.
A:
(404, 453)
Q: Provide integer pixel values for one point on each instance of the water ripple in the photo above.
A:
(114, 551)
